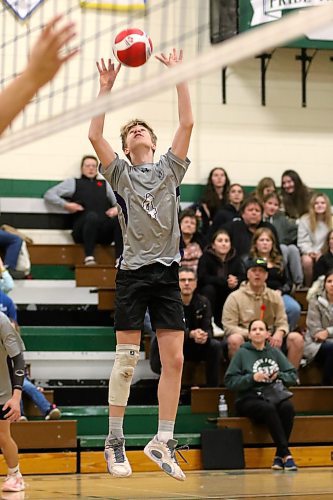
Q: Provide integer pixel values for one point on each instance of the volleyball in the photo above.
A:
(132, 47)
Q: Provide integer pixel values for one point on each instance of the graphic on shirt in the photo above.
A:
(265, 365)
(159, 172)
(148, 206)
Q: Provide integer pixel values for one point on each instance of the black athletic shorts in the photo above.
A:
(3, 413)
(154, 287)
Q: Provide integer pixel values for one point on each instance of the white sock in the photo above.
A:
(116, 427)
(165, 430)
(13, 470)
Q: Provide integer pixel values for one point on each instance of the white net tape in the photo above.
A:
(147, 83)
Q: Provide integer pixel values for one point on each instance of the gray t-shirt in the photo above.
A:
(148, 203)
(11, 345)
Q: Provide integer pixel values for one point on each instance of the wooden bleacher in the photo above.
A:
(101, 276)
(46, 447)
(306, 399)
(312, 436)
(68, 254)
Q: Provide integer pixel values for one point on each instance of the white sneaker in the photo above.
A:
(115, 457)
(13, 482)
(163, 454)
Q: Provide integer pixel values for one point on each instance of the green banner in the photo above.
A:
(254, 13)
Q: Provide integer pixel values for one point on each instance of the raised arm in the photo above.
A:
(181, 140)
(107, 76)
(45, 60)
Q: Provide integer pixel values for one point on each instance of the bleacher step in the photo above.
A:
(60, 338)
(139, 440)
(50, 292)
(138, 420)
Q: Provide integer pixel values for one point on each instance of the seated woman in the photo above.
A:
(287, 232)
(295, 195)
(318, 344)
(265, 186)
(264, 246)
(220, 271)
(192, 240)
(312, 232)
(214, 196)
(255, 366)
(325, 262)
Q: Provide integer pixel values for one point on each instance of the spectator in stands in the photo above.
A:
(6, 281)
(265, 186)
(199, 344)
(295, 195)
(254, 300)
(241, 231)
(214, 196)
(264, 246)
(312, 232)
(254, 369)
(11, 244)
(319, 329)
(231, 210)
(11, 360)
(325, 262)
(220, 272)
(93, 204)
(287, 233)
(192, 240)
(48, 410)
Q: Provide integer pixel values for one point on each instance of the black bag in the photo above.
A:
(275, 392)
(222, 449)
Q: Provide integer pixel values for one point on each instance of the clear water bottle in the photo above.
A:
(223, 407)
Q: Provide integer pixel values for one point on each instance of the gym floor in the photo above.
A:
(307, 483)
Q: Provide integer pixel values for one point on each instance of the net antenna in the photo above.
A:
(79, 104)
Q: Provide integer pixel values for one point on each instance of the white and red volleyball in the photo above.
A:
(132, 47)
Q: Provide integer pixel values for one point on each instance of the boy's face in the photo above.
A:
(257, 276)
(89, 168)
(271, 206)
(138, 135)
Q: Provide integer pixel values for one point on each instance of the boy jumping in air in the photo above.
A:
(148, 196)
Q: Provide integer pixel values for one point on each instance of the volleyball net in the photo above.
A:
(70, 98)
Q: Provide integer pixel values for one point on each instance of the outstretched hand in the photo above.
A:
(107, 74)
(47, 55)
(172, 59)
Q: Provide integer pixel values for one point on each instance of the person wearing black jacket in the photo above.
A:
(199, 344)
(325, 262)
(230, 211)
(93, 204)
(241, 231)
(220, 271)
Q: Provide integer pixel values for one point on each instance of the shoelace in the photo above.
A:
(175, 450)
(118, 451)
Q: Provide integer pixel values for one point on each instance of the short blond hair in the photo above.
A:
(132, 123)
